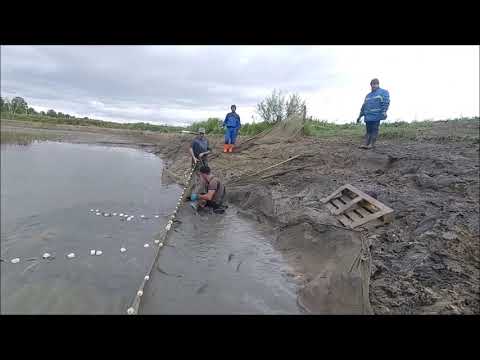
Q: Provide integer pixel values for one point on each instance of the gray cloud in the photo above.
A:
(165, 84)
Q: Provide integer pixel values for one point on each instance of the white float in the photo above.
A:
(98, 252)
(71, 255)
(123, 249)
(15, 261)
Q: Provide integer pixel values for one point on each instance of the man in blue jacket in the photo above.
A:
(374, 109)
(232, 126)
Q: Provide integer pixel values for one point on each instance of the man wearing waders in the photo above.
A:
(232, 126)
(199, 151)
(213, 195)
(374, 109)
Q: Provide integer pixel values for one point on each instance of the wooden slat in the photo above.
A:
(368, 218)
(333, 195)
(354, 216)
(356, 207)
(363, 212)
(386, 218)
(337, 203)
(344, 220)
(346, 199)
(349, 205)
(367, 197)
(370, 207)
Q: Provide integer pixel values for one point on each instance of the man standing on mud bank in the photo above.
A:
(232, 125)
(200, 148)
(374, 109)
(199, 151)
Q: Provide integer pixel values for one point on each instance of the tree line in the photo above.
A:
(18, 109)
(274, 108)
(18, 106)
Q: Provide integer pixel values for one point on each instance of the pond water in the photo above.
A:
(48, 190)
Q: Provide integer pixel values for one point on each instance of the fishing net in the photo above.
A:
(288, 130)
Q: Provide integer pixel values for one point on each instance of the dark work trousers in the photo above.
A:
(372, 132)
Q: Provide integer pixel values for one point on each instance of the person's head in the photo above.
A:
(233, 107)
(375, 84)
(201, 132)
(204, 172)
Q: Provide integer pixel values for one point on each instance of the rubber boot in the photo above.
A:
(230, 149)
(373, 140)
(368, 138)
(225, 148)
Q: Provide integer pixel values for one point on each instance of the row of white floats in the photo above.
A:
(93, 252)
(122, 215)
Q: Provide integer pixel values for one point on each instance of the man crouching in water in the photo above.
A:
(215, 195)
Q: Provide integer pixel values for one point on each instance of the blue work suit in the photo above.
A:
(232, 125)
(374, 109)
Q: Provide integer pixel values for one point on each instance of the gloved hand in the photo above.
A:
(384, 116)
(194, 197)
(358, 120)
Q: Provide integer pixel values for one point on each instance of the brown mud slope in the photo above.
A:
(425, 261)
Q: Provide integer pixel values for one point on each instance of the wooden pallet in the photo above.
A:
(353, 208)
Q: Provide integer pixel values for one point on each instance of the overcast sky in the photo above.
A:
(181, 84)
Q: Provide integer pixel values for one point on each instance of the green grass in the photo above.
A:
(395, 130)
(460, 128)
(213, 126)
(90, 122)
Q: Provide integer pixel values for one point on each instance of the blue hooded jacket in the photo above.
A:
(376, 105)
(232, 120)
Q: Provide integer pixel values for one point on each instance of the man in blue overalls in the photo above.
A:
(374, 109)
(232, 126)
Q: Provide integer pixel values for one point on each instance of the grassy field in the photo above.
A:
(450, 130)
(388, 130)
(48, 120)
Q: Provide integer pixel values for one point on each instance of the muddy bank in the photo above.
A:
(425, 261)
